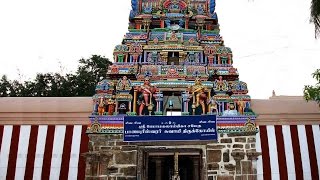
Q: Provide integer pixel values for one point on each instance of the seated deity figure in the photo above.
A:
(191, 57)
(153, 57)
(231, 111)
(213, 105)
(200, 9)
(149, 59)
(147, 90)
(124, 83)
(198, 94)
(220, 85)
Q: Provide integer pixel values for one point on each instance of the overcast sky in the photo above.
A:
(272, 40)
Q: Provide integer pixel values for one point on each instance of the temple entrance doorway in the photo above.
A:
(173, 58)
(167, 166)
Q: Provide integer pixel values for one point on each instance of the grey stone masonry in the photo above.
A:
(234, 158)
(231, 157)
(110, 158)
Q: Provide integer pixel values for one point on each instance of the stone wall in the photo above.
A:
(231, 158)
(110, 158)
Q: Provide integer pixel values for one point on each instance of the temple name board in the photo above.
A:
(169, 128)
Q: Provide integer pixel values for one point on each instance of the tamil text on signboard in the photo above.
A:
(169, 128)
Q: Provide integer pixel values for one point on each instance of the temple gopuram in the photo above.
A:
(172, 61)
(172, 107)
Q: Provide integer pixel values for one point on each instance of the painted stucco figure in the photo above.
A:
(145, 99)
(198, 94)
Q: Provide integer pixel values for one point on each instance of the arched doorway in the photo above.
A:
(161, 166)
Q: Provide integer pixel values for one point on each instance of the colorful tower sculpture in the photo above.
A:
(172, 58)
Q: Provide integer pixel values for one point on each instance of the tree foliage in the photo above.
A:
(315, 16)
(313, 92)
(82, 83)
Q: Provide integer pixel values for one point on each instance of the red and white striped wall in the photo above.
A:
(42, 152)
(289, 152)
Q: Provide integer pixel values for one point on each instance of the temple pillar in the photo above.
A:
(176, 166)
(146, 23)
(159, 98)
(161, 22)
(201, 58)
(135, 101)
(253, 157)
(124, 59)
(185, 99)
(126, 55)
(135, 57)
(158, 169)
(164, 57)
(145, 56)
(195, 169)
(115, 57)
(140, 5)
(116, 109)
(238, 156)
(182, 57)
(222, 107)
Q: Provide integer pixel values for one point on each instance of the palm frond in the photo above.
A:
(315, 16)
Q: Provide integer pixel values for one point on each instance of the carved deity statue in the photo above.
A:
(153, 57)
(198, 94)
(191, 57)
(124, 83)
(101, 106)
(146, 94)
(213, 105)
(220, 85)
(200, 9)
(120, 57)
(241, 106)
(111, 106)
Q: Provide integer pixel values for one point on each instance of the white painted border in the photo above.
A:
(5, 148)
(22, 151)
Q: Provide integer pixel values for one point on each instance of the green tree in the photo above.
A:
(5, 86)
(315, 16)
(313, 92)
(89, 73)
(82, 83)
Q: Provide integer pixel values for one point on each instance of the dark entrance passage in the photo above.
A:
(173, 58)
(162, 167)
